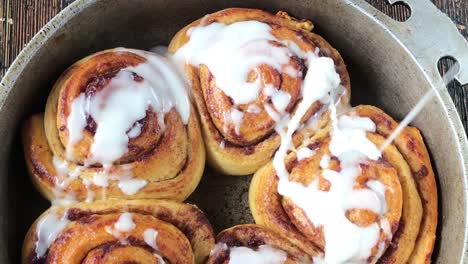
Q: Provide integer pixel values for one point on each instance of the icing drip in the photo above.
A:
(426, 98)
(325, 161)
(349, 136)
(89, 193)
(279, 98)
(101, 180)
(319, 82)
(131, 186)
(236, 118)
(304, 153)
(379, 189)
(150, 235)
(122, 225)
(125, 223)
(385, 225)
(64, 177)
(76, 122)
(48, 229)
(245, 45)
(264, 254)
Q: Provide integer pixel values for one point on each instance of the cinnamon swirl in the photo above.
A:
(143, 231)
(118, 124)
(340, 193)
(247, 68)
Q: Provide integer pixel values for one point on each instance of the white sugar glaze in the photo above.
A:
(64, 175)
(131, 186)
(319, 82)
(231, 52)
(123, 225)
(235, 117)
(135, 131)
(304, 153)
(264, 254)
(279, 98)
(76, 122)
(101, 179)
(89, 193)
(48, 229)
(345, 241)
(150, 236)
(117, 108)
(325, 161)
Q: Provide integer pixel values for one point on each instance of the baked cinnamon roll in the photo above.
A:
(143, 231)
(344, 195)
(117, 124)
(247, 68)
(255, 244)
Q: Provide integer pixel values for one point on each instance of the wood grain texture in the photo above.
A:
(21, 19)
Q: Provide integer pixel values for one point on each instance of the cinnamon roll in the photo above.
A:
(340, 193)
(117, 124)
(143, 231)
(255, 244)
(247, 68)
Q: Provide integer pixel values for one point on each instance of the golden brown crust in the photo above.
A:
(254, 236)
(415, 228)
(244, 152)
(411, 146)
(170, 160)
(184, 233)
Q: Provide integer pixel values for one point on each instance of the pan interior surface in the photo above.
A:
(382, 73)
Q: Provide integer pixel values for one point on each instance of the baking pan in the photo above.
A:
(392, 64)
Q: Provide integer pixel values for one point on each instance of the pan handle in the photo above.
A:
(428, 34)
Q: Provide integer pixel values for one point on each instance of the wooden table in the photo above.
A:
(21, 19)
